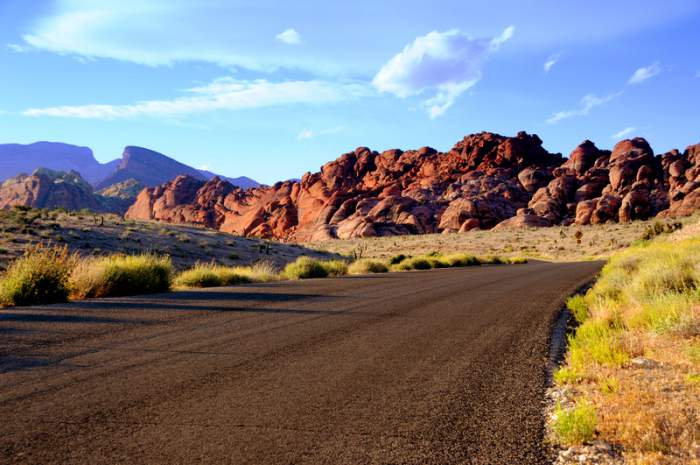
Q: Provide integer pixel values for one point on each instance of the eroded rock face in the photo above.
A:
(45, 188)
(484, 180)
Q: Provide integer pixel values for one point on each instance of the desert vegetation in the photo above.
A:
(90, 234)
(557, 243)
(51, 274)
(633, 363)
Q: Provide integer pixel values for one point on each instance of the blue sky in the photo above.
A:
(272, 89)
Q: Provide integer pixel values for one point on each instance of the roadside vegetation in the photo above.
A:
(632, 371)
(51, 274)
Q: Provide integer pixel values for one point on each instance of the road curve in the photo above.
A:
(438, 367)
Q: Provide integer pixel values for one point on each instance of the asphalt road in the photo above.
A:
(436, 367)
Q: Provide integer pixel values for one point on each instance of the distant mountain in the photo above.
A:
(148, 167)
(20, 158)
(145, 166)
(152, 168)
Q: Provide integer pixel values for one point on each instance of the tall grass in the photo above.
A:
(212, 275)
(307, 267)
(120, 275)
(366, 266)
(40, 276)
(646, 304)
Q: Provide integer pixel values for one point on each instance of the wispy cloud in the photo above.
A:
(644, 73)
(623, 133)
(163, 33)
(289, 36)
(551, 61)
(221, 94)
(445, 63)
(586, 105)
(17, 48)
(310, 134)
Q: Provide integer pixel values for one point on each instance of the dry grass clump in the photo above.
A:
(438, 260)
(213, 275)
(40, 276)
(634, 357)
(307, 267)
(366, 266)
(120, 275)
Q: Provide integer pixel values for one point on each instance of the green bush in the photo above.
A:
(366, 266)
(305, 268)
(576, 425)
(40, 276)
(120, 275)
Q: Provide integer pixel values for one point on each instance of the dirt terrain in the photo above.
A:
(96, 234)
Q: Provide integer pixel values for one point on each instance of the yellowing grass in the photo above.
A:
(635, 351)
(40, 276)
(120, 275)
(212, 275)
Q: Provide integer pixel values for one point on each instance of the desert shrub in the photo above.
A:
(184, 238)
(415, 263)
(211, 275)
(366, 266)
(198, 276)
(260, 272)
(120, 275)
(575, 425)
(40, 276)
(494, 260)
(305, 268)
(396, 259)
(461, 259)
(335, 267)
(517, 260)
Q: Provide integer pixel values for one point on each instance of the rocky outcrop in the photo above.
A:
(485, 180)
(48, 189)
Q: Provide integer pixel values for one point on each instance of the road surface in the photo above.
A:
(436, 367)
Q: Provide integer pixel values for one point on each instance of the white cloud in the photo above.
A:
(624, 132)
(587, 103)
(310, 134)
(204, 167)
(551, 61)
(306, 134)
(644, 73)
(289, 36)
(221, 94)
(446, 63)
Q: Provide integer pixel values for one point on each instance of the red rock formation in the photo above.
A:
(483, 181)
(49, 189)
